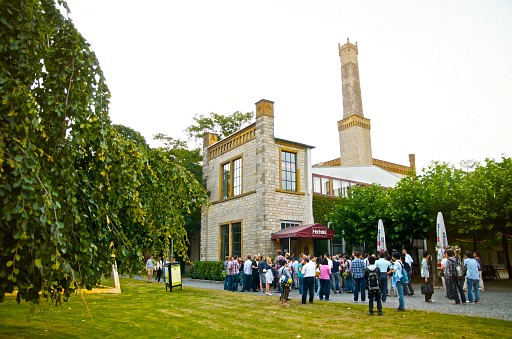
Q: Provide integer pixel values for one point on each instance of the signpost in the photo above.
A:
(173, 275)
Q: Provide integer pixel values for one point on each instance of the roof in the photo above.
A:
(294, 142)
(317, 231)
(363, 174)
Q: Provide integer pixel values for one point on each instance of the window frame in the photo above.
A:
(294, 175)
(234, 228)
(233, 174)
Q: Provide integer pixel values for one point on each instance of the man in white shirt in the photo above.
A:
(308, 270)
(247, 275)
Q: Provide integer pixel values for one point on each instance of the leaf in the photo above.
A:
(9, 263)
(38, 263)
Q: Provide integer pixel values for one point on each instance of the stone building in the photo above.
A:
(258, 184)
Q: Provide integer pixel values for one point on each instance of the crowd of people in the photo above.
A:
(376, 276)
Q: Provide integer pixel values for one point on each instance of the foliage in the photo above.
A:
(191, 160)
(76, 191)
(356, 217)
(222, 125)
(475, 202)
(207, 270)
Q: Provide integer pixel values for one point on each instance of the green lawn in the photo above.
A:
(147, 310)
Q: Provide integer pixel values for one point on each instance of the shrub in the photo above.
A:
(207, 270)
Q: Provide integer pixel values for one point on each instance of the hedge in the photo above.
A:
(207, 270)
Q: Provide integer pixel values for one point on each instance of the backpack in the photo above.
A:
(405, 278)
(457, 271)
(284, 280)
(373, 280)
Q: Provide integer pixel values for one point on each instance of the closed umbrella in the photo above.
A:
(442, 240)
(381, 237)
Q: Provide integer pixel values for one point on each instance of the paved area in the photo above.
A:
(496, 300)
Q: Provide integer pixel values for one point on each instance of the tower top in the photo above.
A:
(347, 47)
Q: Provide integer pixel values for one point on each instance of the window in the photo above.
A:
(316, 185)
(236, 236)
(224, 241)
(231, 179)
(336, 187)
(288, 171)
(325, 186)
(287, 224)
(230, 240)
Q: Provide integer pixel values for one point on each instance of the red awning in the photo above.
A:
(317, 231)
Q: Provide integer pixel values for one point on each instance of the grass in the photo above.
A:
(147, 311)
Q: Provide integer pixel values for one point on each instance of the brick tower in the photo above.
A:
(354, 128)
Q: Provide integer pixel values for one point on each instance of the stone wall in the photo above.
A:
(262, 206)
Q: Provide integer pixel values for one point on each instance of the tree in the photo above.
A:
(357, 216)
(486, 205)
(222, 125)
(75, 192)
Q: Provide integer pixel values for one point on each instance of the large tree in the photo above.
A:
(485, 206)
(356, 217)
(75, 192)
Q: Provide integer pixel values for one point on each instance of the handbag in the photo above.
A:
(427, 289)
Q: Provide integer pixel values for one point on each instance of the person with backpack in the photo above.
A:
(372, 276)
(285, 282)
(454, 270)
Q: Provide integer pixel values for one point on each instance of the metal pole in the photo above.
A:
(329, 242)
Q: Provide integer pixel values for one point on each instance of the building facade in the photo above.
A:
(258, 184)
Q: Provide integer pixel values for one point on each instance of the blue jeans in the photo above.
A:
(335, 281)
(233, 282)
(301, 285)
(400, 291)
(226, 282)
(456, 286)
(349, 284)
(360, 285)
(384, 286)
(473, 284)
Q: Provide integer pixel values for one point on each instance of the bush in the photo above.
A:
(207, 270)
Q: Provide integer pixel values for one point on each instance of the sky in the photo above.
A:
(436, 76)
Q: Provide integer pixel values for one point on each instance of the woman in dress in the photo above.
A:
(269, 276)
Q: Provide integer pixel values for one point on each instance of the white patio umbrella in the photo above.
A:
(381, 237)
(442, 240)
